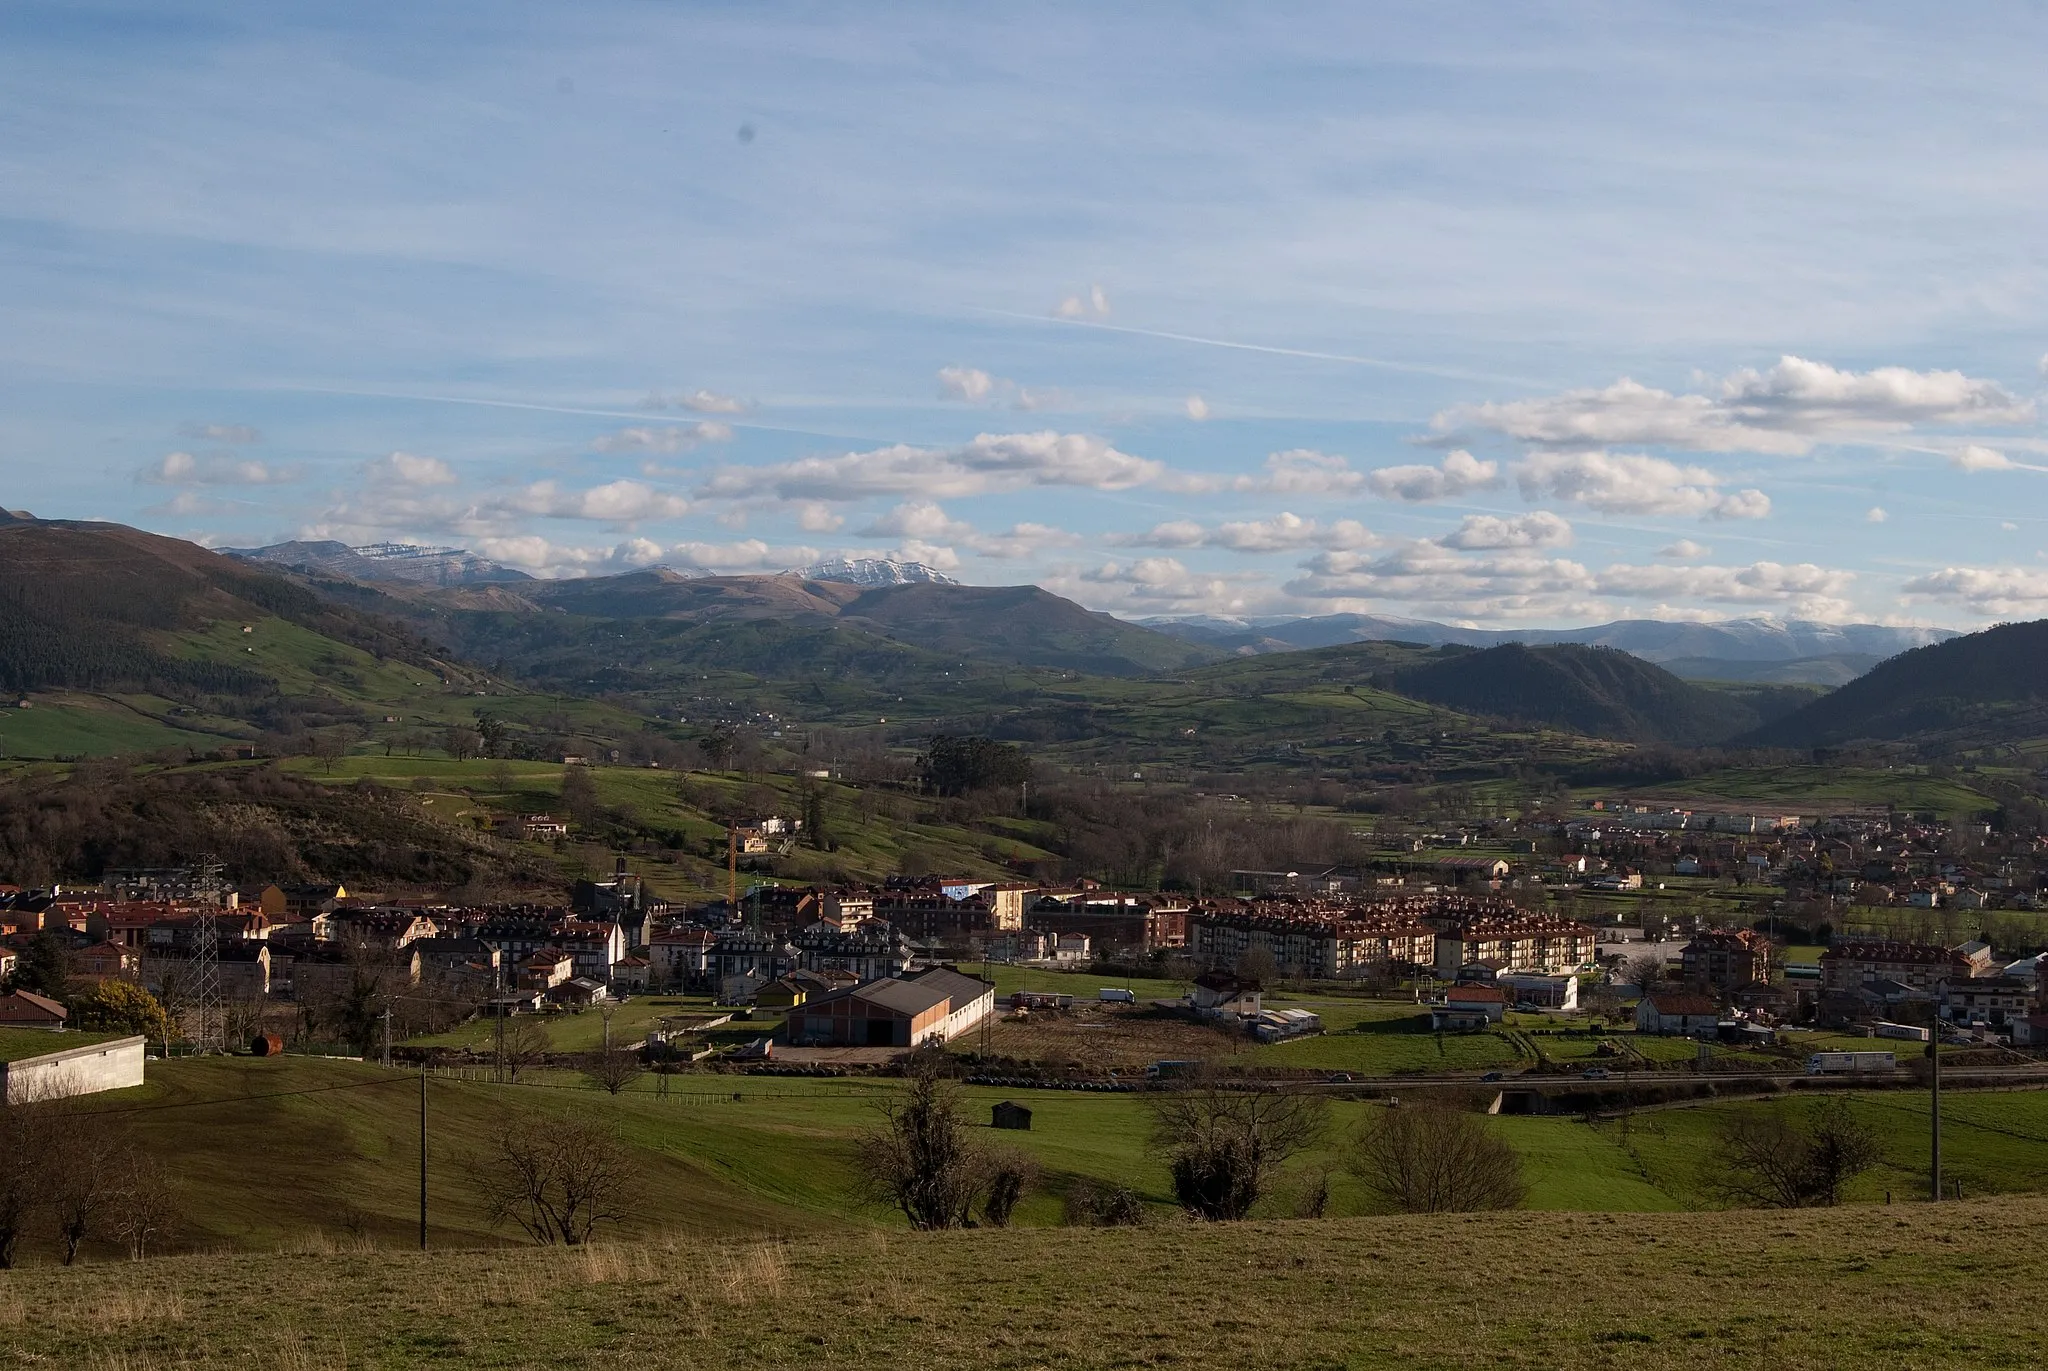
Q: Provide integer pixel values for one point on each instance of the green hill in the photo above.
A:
(1596, 690)
(1988, 687)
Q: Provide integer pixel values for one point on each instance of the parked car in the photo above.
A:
(1493, 1076)
(1596, 1073)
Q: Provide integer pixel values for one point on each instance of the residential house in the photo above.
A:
(1676, 1013)
(1727, 958)
(105, 961)
(26, 1009)
(1220, 995)
(680, 959)
(1993, 1000)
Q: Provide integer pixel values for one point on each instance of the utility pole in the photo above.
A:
(732, 872)
(1934, 1100)
(498, 1030)
(387, 1037)
(423, 1153)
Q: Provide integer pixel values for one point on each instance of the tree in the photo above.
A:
(43, 966)
(1644, 971)
(556, 1180)
(525, 1044)
(86, 1172)
(954, 765)
(26, 1137)
(1437, 1159)
(146, 1212)
(1223, 1146)
(616, 1068)
(1768, 1160)
(330, 745)
(120, 1007)
(491, 733)
(461, 743)
(1009, 1175)
(921, 1158)
(579, 796)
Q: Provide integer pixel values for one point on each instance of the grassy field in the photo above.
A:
(1824, 790)
(70, 725)
(1918, 1286)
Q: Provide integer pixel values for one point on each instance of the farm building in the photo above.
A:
(41, 1065)
(893, 1012)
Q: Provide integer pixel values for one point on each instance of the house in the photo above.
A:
(630, 972)
(681, 958)
(301, 900)
(1010, 1114)
(544, 971)
(580, 992)
(1070, 947)
(1676, 1014)
(1490, 1002)
(105, 961)
(66, 1070)
(1993, 1000)
(2030, 1031)
(895, 1012)
(790, 990)
(741, 986)
(26, 1009)
(1845, 966)
(1220, 995)
(1726, 958)
(1543, 992)
(1979, 955)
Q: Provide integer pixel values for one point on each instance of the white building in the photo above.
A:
(64, 1071)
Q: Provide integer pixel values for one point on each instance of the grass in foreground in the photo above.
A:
(1911, 1286)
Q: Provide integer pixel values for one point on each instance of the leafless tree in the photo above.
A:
(921, 1158)
(616, 1068)
(85, 1174)
(1437, 1159)
(557, 1180)
(146, 1213)
(526, 1044)
(1767, 1159)
(1645, 971)
(26, 1137)
(1224, 1146)
(461, 743)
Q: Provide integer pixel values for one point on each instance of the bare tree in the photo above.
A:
(556, 1180)
(461, 743)
(921, 1158)
(1224, 1146)
(85, 1173)
(1437, 1159)
(26, 1135)
(526, 1044)
(146, 1210)
(1645, 971)
(616, 1068)
(1766, 1159)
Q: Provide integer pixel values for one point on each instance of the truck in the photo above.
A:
(1112, 995)
(1837, 1063)
(1912, 1033)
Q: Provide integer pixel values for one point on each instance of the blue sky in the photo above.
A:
(1502, 314)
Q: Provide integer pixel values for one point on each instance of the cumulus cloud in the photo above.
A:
(1488, 531)
(1093, 305)
(615, 502)
(1297, 471)
(1684, 550)
(1875, 515)
(701, 401)
(239, 434)
(1459, 474)
(1160, 585)
(1512, 585)
(927, 526)
(410, 469)
(965, 383)
(1197, 408)
(990, 462)
(1990, 591)
(1976, 457)
(1627, 483)
(667, 438)
(1283, 532)
(1785, 409)
(814, 516)
(1814, 590)
(213, 469)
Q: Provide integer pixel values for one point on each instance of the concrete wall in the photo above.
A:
(74, 1071)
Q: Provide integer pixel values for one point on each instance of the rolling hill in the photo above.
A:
(1988, 687)
(1601, 691)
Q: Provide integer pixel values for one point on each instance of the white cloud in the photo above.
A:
(223, 433)
(1875, 515)
(1976, 457)
(925, 523)
(615, 502)
(1197, 408)
(1160, 584)
(990, 462)
(1813, 591)
(1684, 550)
(531, 552)
(1095, 304)
(1297, 471)
(748, 555)
(702, 401)
(965, 383)
(814, 516)
(668, 438)
(1626, 483)
(1280, 533)
(410, 469)
(1424, 574)
(1784, 409)
(1486, 531)
(2009, 527)
(937, 556)
(1459, 474)
(213, 469)
(1990, 591)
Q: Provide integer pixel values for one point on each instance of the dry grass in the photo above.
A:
(1906, 1286)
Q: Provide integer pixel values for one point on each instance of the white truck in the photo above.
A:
(1115, 995)
(1838, 1063)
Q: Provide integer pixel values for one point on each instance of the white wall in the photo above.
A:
(65, 1071)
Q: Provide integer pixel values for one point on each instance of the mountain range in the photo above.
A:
(451, 566)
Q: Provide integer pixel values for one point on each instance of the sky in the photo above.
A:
(1502, 315)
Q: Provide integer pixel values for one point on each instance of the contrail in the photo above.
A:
(1416, 368)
